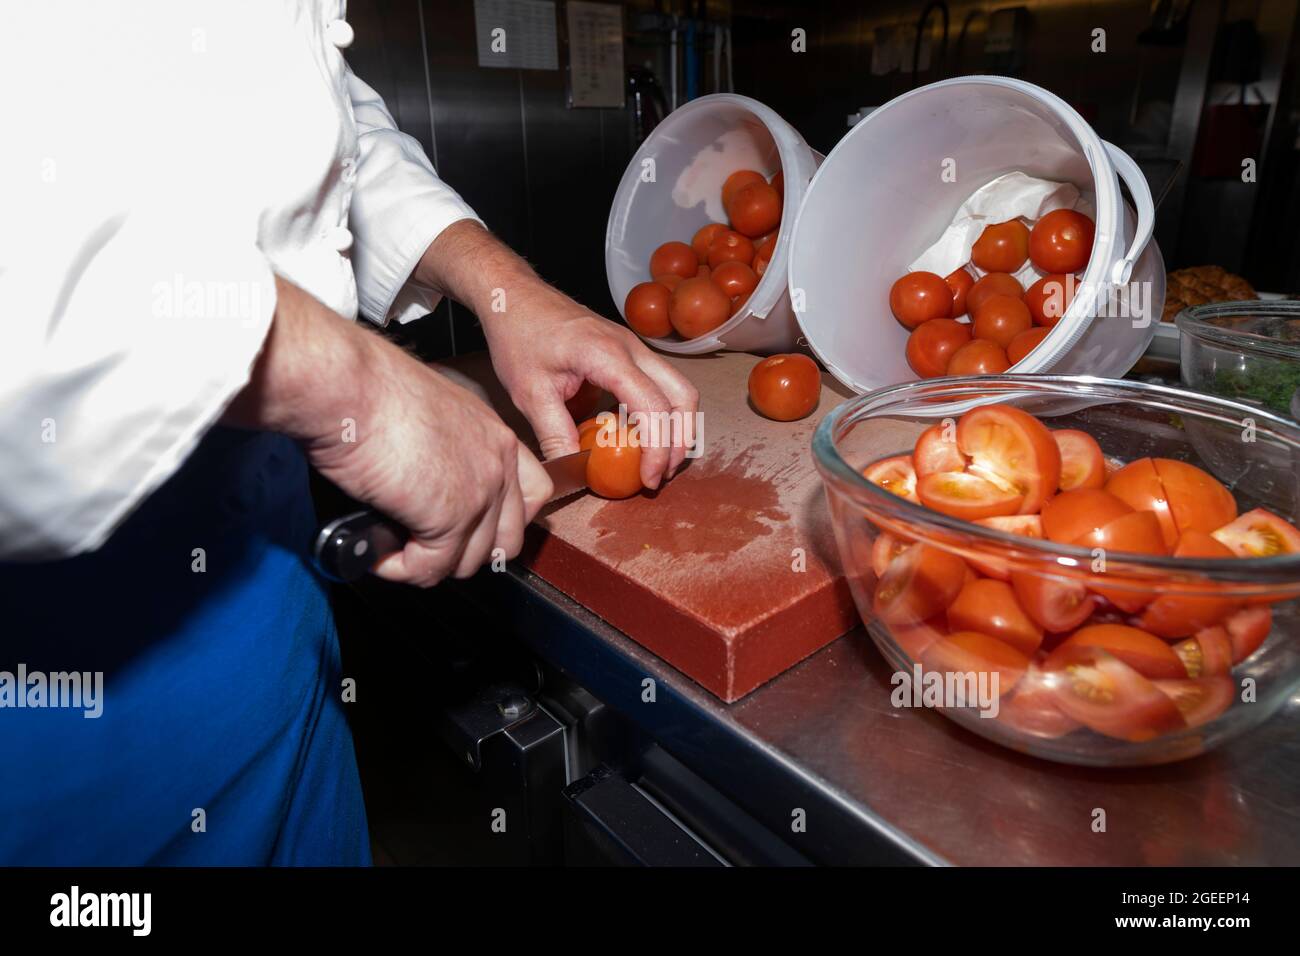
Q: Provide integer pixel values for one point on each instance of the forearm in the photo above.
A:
(312, 372)
(474, 267)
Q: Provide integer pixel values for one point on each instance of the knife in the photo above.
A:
(348, 547)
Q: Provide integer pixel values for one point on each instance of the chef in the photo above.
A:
(196, 200)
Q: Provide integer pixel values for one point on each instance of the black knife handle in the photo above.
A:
(348, 547)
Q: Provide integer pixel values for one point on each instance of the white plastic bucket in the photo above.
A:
(673, 187)
(880, 199)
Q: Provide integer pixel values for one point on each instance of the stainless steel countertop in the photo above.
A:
(911, 786)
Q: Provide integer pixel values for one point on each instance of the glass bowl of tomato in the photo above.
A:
(1091, 571)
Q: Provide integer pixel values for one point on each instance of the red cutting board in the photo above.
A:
(729, 571)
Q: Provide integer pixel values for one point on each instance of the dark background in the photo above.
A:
(542, 175)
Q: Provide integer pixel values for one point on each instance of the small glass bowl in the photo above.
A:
(1254, 453)
(1248, 351)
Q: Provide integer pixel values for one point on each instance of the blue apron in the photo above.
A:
(222, 737)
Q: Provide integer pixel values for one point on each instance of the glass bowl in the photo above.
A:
(1248, 351)
(1254, 453)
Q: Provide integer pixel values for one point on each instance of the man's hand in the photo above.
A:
(426, 452)
(544, 345)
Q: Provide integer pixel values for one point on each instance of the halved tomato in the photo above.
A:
(1138, 485)
(1028, 526)
(966, 496)
(1207, 654)
(1055, 604)
(918, 584)
(1082, 463)
(884, 549)
(936, 450)
(1258, 534)
(1173, 616)
(1199, 700)
(1105, 694)
(1247, 630)
(895, 475)
(1145, 653)
(969, 652)
(1011, 448)
(990, 607)
(1072, 514)
(1198, 500)
(1032, 708)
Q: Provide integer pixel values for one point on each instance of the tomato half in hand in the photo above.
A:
(918, 584)
(1049, 298)
(1061, 241)
(931, 345)
(674, 258)
(919, 297)
(785, 387)
(614, 467)
(1002, 247)
(646, 310)
(1000, 318)
(995, 283)
(978, 357)
(960, 281)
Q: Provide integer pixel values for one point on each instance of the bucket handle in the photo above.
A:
(1146, 211)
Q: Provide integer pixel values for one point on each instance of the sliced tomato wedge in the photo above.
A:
(966, 496)
(1055, 605)
(936, 450)
(1106, 695)
(1200, 700)
(918, 584)
(884, 549)
(914, 639)
(1070, 515)
(989, 606)
(1138, 486)
(1247, 630)
(1197, 500)
(895, 475)
(1208, 654)
(1137, 532)
(1259, 534)
(1013, 449)
(1082, 463)
(1172, 616)
(969, 652)
(1027, 526)
(1032, 709)
(1145, 653)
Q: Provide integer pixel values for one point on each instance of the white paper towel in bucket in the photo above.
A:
(1011, 196)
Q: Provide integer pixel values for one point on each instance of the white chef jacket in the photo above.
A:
(161, 161)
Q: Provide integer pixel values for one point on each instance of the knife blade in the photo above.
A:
(347, 548)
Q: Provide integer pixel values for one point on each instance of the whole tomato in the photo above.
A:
(785, 387)
(919, 297)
